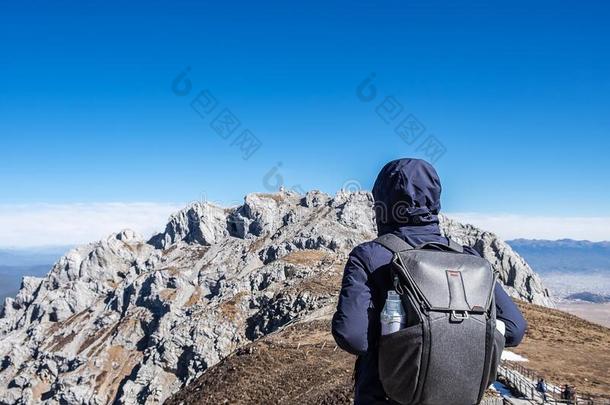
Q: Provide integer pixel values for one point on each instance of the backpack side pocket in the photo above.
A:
(496, 356)
(400, 356)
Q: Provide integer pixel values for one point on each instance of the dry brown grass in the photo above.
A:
(117, 365)
(278, 198)
(320, 284)
(194, 298)
(171, 270)
(134, 247)
(40, 388)
(169, 250)
(61, 341)
(61, 325)
(168, 294)
(283, 369)
(566, 349)
(93, 338)
(300, 365)
(126, 326)
(308, 257)
(228, 309)
(258, 243)
(198, 252)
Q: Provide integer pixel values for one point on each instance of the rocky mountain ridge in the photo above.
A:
(128, 320)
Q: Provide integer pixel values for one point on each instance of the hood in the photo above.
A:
(407, 193)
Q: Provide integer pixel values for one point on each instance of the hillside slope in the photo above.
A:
(300, 365)
(131, 321)
(566, 349)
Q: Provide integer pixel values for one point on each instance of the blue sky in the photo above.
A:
(517, 93)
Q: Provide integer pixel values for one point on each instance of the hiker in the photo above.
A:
(409, 190)
(568, 394)
(565, 392)
(541, 388)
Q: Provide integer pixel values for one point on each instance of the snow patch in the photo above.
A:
(501, 389)
(510, 356)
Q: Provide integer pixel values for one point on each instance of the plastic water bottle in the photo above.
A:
(393, 316)
(501, 327)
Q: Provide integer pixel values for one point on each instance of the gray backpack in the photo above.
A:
(449, 351)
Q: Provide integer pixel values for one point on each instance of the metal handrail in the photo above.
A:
(492, 401)
(523, 379)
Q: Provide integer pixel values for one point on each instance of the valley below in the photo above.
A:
(598, 313)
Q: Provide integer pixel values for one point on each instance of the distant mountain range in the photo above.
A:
(589, 297)
(31, 256)
(16, 263)
(564, 255)
(10, 278)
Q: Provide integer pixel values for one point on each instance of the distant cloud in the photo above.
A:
(509, 226)
(28, 225)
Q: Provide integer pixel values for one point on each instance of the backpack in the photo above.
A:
(449, 351)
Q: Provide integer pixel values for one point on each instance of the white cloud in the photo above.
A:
(28, 225)
(509, 226)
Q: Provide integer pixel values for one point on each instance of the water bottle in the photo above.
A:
(393, 316)
(501, 327)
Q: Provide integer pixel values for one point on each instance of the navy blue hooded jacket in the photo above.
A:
(407, 202)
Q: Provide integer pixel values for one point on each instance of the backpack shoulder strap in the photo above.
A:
(393, 243)
(396, 244)
(453, 245)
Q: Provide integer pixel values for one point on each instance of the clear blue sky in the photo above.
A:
(517, 92)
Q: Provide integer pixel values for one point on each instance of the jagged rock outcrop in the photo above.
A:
(518, 277)
(131, 321)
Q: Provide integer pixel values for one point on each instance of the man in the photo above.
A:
(565, 393)
(541, 388)
(407, 200)
(570, 394)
